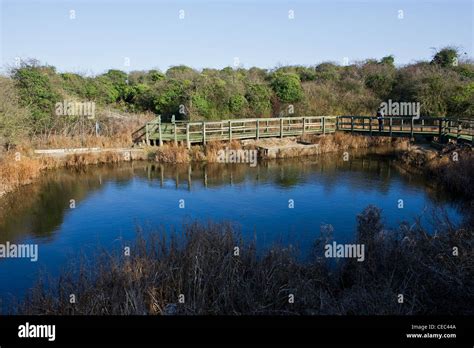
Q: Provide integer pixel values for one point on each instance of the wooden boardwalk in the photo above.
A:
(157, 132)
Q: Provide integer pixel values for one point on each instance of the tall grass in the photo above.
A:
(340, 141)
(16, 171)
(203, 266)
(171, 153)
(23, 170)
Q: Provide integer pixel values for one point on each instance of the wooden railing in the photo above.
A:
(238, 129)
(156, 132)
(460, 129)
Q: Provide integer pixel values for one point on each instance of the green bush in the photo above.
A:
(202, 105)
(380, 84)
(287, 87)
(462, 101)
(36, 92)
(169, 95)
(15, 120)
(258, 97)
(327, 72)
(446, 57)
(237, 103)
(388, 60)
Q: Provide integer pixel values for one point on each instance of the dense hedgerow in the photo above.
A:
(444, 87)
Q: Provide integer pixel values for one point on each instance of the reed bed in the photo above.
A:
(199, 273)
(16, 171)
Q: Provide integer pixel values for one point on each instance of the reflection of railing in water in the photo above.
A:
(53, 191)
(279, 172)
(157, 132)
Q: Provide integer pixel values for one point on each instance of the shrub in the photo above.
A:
(446, 57)
(237, 103)
(258, 96)
(15, 120)
(37, 93)
(287, 87)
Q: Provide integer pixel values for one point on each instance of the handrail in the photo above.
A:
(248, 128)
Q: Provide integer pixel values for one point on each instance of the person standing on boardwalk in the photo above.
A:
(380, 118)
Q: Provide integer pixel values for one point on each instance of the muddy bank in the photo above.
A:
(452, 166)
(22, 168)
(276, 148)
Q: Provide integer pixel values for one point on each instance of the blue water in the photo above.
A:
(111, 201)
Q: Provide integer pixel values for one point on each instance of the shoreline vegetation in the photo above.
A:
(452, 166)
(201, 273)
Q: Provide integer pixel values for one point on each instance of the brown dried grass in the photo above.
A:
(202, 266)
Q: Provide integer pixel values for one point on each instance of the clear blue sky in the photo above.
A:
(152, 35)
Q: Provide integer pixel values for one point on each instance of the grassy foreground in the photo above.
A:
(203, 267)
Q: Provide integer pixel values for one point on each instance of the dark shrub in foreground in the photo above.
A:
(204, 268)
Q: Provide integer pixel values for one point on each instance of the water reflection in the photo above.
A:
(39, 209)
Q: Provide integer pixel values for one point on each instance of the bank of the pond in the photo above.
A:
(451, 165)
(18, 168)
(212, 271)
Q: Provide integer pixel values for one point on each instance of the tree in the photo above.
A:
(237, 103)
(169, 95)
(388, 60)
(36, 92)
(446, 57)
(14, 119)
(258, 96)
(287, 87)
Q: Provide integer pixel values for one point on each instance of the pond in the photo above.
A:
(70, 212)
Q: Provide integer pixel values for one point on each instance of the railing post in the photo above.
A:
(440, 125)
(175, 129)
(160, 140)
(304, 125)
(370, 125)
(324, 125)
(204, 133)
(422, 124)
(458, 135)
(390, 126)
(188, 140)
(281, 127)
(337, 122)
(401, 124)
(411, 127)
(352, 124)
(147, 135)
(258, 130)
(230, 130)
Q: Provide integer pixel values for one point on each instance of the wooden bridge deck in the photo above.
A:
(157, 132)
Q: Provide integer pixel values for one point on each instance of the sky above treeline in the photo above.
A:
(91, 36)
